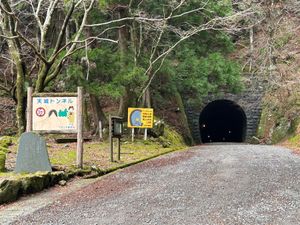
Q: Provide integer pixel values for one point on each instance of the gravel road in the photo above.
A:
(210, 184)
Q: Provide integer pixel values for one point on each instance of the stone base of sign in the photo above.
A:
(32, 154)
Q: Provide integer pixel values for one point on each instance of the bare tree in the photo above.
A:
(45, 57)
(26, 26)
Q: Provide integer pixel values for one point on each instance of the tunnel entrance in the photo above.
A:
(223, 121)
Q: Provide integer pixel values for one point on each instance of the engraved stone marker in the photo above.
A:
(32, 154)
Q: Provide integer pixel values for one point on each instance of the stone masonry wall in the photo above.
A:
(249, 100)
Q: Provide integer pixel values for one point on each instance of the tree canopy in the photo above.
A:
(119, 49)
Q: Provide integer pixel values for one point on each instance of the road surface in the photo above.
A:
(210, 184)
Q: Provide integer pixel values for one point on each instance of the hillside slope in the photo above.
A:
(275, 61)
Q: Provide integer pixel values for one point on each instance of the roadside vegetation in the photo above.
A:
(154, 54)
(63, 160)
(96, 153)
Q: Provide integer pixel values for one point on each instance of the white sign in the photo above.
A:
(54, 114)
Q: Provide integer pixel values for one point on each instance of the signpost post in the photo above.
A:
(79, 156)
(115, 131)
(140, 118)
(57, 113)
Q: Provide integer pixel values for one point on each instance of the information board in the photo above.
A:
(54, 114)
(140, 117)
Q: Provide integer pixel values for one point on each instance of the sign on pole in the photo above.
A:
(140, 117)
(54, 114)
(115, 131)
(57, 113)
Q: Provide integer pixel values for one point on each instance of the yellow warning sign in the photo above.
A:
(140, 117)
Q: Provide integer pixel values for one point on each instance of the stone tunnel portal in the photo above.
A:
(223, 121)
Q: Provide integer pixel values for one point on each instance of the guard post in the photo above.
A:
(115, 131)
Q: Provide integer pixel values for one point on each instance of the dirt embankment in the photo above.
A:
(275, 61)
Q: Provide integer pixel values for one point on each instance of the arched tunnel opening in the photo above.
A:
(223, 121)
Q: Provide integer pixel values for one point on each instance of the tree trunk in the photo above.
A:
(9, 30)
(124, 104)
(98, 114)
(41, 77)
(86, 118)
(123, 36)
(147, 98)
(21, 100)
(183, 118)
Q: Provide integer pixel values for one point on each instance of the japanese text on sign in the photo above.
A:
(140, 117)
(54, 113)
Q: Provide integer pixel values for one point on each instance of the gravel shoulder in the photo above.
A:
(209, 184)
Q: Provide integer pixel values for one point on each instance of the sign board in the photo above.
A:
(54, 114)
(117, 127)
(115, 131)
(140, 117)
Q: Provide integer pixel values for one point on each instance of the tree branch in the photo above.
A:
(63, 31)
(36, 51)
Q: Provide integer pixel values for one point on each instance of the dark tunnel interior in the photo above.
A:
(223, 121)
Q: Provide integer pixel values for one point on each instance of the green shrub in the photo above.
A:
(6, 141)
(2, 161)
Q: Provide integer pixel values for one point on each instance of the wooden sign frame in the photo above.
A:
(79, 130)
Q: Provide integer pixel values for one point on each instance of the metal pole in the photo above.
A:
(132, 134)
(145, 134)
(111, 144)
(29, 110)
(79, 156)
(119, 149)
(100, 130)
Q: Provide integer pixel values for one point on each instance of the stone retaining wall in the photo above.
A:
(249, 100)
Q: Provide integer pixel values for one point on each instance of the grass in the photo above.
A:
(293, 143)
(97, 154)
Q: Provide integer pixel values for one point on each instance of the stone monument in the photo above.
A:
(32, 154)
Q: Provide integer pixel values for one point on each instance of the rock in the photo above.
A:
(57, 176)
(62, 183)
(32, 184)
(71, 174)
(83, 172)
(164, 142)
(32, 154)
(58, 168)
(254, 140)
(9, 190)
(157, 130)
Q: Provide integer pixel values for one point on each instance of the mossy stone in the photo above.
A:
(280, 131)
(165, 143)
(35, 183)
(157, 130)
(57, 176)
(9, 190)
(83, 172)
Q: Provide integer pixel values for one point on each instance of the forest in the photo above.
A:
(135, 53)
